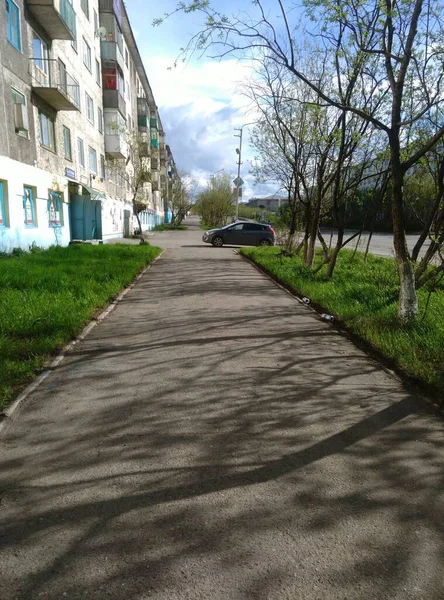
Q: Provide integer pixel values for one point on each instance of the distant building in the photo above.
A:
(271, 203)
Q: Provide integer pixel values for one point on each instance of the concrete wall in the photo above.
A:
(16, 234)
(14, 73)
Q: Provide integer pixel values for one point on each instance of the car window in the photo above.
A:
(237, 227)
(253, 227)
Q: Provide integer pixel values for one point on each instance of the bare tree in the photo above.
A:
(136, 173)
(398, 48)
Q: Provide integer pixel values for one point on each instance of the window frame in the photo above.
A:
(98, 74)
(88, 105)
(102, 167)
(53, 135)
(32, 203)
(43, 53)
(67, 138)
(81, 154)
(87, 55)
(18, 30)
(58, 205)
(92, 151)
(3, 206)
(100, 119)
(14, 94)
(84, 5)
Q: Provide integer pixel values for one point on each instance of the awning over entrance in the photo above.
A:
(95, 195)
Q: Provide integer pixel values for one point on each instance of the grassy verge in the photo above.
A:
(363, 295)
(47, 296)
(168, 227)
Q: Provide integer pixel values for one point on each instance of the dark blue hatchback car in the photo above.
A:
(241, 234)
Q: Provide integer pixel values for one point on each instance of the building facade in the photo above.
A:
(71, 88)
(271, 203)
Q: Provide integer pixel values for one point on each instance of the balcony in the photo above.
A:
(113, 99)
(57, 17)
(51, 82)
(116, 145)
(110, 52)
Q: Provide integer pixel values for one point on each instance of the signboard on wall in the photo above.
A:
(70, 173)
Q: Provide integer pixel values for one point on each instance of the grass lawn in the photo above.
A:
(364, 295)
(168, 227)
(47, 296)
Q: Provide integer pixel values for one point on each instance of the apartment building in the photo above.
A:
(71, 80)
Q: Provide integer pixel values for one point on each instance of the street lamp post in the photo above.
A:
(239, 162)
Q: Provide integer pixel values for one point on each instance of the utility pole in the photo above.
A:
(239, 162)
(239, 181)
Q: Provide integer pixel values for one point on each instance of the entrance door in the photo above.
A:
(126, 222)
(85, 218)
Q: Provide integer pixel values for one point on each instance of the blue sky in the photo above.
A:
(198, 102)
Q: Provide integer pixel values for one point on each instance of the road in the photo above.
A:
(212, 438)
(380, 244)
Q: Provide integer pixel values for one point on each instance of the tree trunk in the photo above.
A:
(314, 225)
(408, 298)
(335, 254)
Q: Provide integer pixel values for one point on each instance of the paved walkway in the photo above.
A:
(213, 439)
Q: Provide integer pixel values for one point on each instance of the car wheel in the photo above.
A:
(265, 243)
(217, 241)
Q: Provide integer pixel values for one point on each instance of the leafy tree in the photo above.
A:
(215, 203)
(181, 196)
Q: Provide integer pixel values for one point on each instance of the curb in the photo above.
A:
(7, 412)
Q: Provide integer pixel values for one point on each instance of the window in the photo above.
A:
(81, 152)
(3, 214)
(102, 167)
(253, 227)
(85, 7)
(89, 108)
(87, 58)
(67, 143)
(29, 208)
(47, 137)
(92, 159)
(40, 53)
(100, 120)
(96, 22)
(74, 41)
(126, 57)
(121, 84)
(13, 24)
(20, 113)
(54, 209)
(98, 74)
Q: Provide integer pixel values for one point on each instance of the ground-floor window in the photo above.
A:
(3, 205)
(29, 206)
(55, 214)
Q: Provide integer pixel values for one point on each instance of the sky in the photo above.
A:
(199, 102)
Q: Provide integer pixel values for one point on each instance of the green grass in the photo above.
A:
(47, 296)
(168, 227)
(364, 296)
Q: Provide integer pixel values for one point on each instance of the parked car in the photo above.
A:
(241, 234)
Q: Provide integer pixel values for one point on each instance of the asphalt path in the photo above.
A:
(212, 438)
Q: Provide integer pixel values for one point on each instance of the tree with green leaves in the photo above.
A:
(215, 203)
